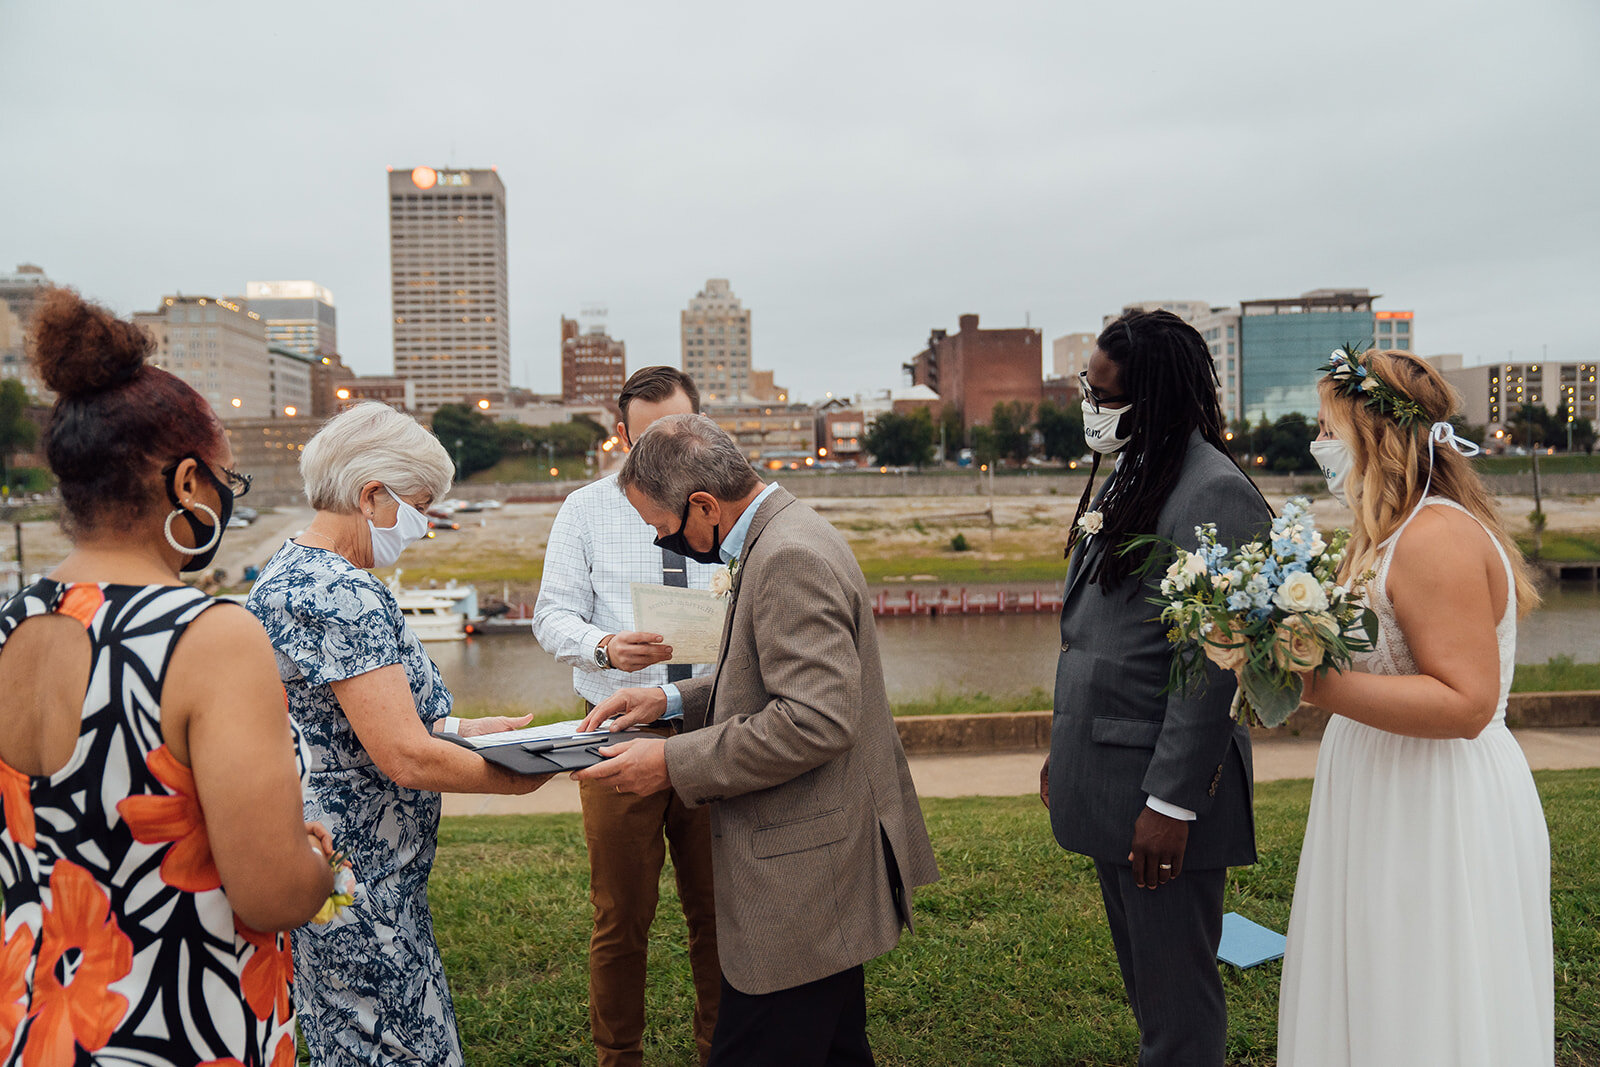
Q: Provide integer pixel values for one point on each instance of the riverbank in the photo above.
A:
(1013, 541)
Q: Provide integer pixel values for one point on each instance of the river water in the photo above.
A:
(924, 656)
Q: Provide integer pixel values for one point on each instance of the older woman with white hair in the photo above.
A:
(369, 986)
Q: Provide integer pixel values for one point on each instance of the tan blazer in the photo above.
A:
(817, 835)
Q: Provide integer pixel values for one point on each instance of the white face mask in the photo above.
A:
(388, 542)
(1334, 457)
(1100, 427)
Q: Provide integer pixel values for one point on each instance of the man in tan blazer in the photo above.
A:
(817, 837)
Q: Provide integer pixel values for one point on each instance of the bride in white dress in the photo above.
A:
(1420, 932)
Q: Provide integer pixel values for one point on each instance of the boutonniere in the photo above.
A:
(1091, 522)
(722, 578)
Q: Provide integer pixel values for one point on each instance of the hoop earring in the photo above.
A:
(216, 531)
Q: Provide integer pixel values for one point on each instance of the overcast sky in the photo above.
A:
(863, 172)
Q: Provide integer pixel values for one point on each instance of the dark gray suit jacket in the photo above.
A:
(1116, 737)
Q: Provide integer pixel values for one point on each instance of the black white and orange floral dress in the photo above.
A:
(117, 944)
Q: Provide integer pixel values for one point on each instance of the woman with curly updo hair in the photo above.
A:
(152, 845)
(1420, 932)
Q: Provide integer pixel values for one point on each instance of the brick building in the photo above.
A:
(594, 367)
(399, 393)
(1062, 392)
(974, 369)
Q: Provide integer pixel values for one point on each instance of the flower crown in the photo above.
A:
(1350, 374)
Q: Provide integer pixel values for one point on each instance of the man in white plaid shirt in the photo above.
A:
(584, 616)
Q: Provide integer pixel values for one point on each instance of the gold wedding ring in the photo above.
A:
(1165, 866)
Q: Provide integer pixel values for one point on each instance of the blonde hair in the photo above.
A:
(1391, 464)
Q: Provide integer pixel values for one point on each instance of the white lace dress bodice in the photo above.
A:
(1392, 655)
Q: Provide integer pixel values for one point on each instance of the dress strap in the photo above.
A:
(1444, 501)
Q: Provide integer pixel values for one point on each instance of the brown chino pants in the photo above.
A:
(628, 837)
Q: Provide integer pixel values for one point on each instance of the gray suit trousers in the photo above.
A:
(1166, 943)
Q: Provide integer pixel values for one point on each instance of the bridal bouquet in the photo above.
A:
(1268, 611)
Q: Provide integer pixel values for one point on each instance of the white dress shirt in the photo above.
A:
(729, 550)
(599, 546)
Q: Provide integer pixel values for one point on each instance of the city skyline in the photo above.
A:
(1039, 166)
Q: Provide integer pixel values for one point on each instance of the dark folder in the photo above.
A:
(549, 756)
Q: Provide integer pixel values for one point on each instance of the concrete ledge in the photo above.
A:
(1021, 731)
(1028, 731)
(1578, 708)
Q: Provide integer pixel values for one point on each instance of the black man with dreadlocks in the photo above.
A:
(1153, 784)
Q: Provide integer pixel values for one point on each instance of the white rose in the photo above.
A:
(1091, 522)
(1300, 592)
(1177, 577)
(722, 581)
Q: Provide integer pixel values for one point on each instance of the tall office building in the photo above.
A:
(297, 315)
(19, 291)
(447, 256)
(1282, 342)
(221, 350)
(1220, 328)
(1069, 354)
(1392, 330)
(715, 331)
(594, 367)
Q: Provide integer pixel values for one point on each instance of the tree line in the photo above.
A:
(1017, 431)
(476, 442)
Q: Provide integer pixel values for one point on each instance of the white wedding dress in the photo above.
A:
(1420, 931)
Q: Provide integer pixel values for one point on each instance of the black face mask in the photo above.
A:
(202, 532)
(676, 542)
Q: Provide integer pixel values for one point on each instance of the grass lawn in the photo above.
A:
(1556, 675)
(962, 568)
(532, 468)
(487, 567)
(1011, 962)
(1561, 546)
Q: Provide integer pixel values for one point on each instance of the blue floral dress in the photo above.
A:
(369, 987)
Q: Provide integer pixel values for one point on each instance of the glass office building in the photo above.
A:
(298, 315)
(1283, 342)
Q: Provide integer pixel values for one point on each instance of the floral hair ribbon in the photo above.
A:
(1350, 373)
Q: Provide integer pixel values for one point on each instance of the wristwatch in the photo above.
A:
(600, 656)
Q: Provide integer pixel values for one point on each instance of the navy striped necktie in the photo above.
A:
(674, 573)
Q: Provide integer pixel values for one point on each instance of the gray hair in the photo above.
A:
(372, 442)
(683, 454)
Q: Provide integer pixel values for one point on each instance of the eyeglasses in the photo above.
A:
(238, 484)
(1097, 401)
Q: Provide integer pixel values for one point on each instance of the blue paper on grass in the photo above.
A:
(1245, 944)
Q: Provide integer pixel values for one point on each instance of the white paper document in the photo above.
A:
(547, 732)
(690, 620)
